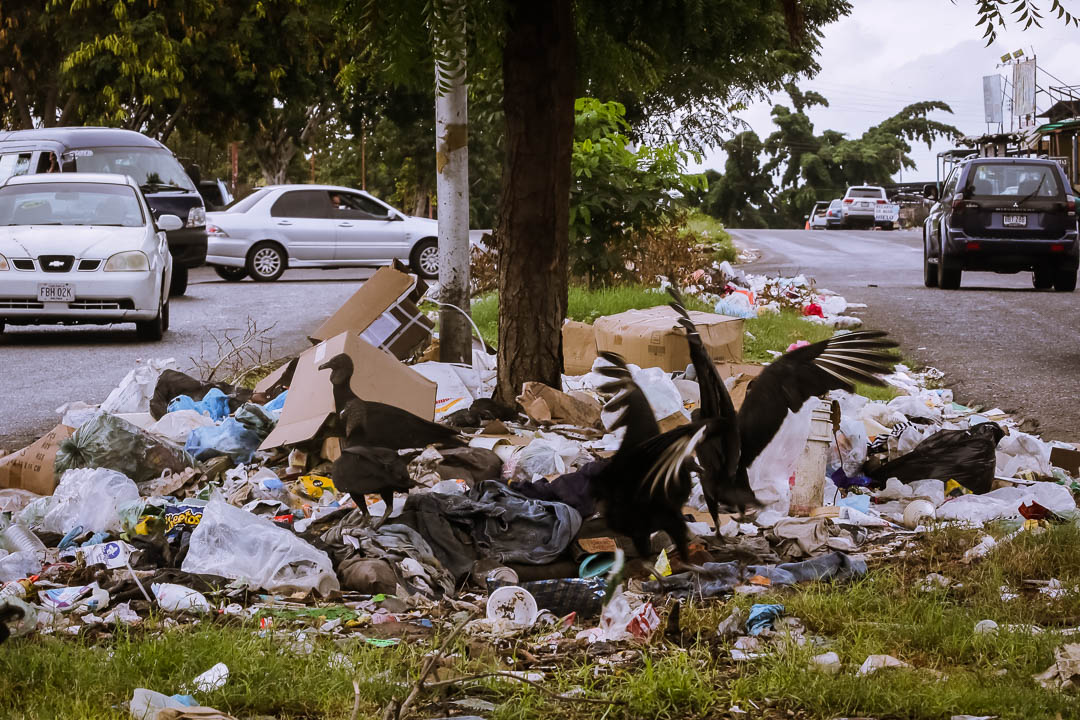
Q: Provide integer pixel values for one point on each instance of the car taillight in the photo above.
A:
(972, 246)
(848, 200)
(1057, 248)
(215, 231)
(1070, 205)
(881, 202)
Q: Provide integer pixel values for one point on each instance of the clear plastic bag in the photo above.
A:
(849, 447)
(771, 470)
(177, 426)
(233, 543)
(93, 499)
(108, 441)
(135, 390)
(550, 454)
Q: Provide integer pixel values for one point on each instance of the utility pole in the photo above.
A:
(452, 183)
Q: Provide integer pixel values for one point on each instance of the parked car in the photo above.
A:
(817, 215)
(1004, 215)
(860, 203)
(161, 178)
(215, 194)
(316, 226)
(83, 248)
(834, 214)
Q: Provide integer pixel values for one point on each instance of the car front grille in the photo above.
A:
(23, 264)
(20, 304)
(103, 304)
(87, 265)
(56, 263)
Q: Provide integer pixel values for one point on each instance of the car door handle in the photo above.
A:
(344, 224)
(284, 222)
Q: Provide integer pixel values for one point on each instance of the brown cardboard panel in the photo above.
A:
(377, 376)
(384, 310)
(579, 347)
(653, 337)
(32, 467)
(1066, 459)
(545, 404)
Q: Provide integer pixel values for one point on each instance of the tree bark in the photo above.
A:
(452, 191)
(539, 68)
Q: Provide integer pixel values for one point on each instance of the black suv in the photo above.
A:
(1004, 215)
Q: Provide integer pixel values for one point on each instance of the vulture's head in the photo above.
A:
(341, 369)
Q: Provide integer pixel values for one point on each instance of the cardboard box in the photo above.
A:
(377, 376)
(745, 372)
(653, 337)
(1064, 458)
(578, 347)
(32, 467)
(384, 311)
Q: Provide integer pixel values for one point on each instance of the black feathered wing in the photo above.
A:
(806, 372)
(636, 414)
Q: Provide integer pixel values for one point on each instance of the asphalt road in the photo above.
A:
(998, 341)
(43, 367)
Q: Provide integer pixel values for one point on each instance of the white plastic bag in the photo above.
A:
(137, 388)
(236, 544)
(663, 396)
(772, 469)
(549, 454)
(1005, 503)
(92, 498)
(177, 426)
(1020, 451)
(177, 598)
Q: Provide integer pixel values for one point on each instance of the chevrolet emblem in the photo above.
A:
(56, 263)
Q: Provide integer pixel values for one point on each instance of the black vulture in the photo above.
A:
(375, 424)
(644, 487)
(372, 470)
(806, 372)
(723, 479)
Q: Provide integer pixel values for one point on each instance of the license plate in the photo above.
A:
(55, 292)
(1014, 220)
(864, 204)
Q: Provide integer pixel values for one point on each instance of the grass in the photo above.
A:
(712, 231)
(954, 670)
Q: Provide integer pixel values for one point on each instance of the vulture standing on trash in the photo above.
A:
(372, 470)
(647, 482)
(376, 424)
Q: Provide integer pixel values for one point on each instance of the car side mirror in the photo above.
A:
(168, 223)
(930, 192)
(394, 215)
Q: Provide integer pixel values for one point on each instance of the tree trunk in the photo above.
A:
(539, 68)
(452, 191)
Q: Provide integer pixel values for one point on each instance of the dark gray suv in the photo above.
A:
(1003, 215)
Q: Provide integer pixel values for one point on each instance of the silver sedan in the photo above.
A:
(320, 226)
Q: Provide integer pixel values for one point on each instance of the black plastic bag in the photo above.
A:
(966, 456)
(172, 383)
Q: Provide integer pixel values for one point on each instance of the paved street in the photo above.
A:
(998, 341)
(45, 367)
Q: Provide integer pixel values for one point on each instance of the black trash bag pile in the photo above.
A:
(966, 456)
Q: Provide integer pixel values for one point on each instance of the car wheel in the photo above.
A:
(179, 281)
(424, 259)
(887, 226)
(230, 274)
(154, 329)
(266, 262)
(1065, 280)
(929, 272)
(1042, 279)
(948, 276)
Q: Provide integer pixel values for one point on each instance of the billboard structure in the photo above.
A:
(992, 99)
(1024, 89)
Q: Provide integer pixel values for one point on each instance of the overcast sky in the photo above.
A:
(889, 53)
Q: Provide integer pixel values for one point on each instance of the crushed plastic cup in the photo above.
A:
(512, 603)
(177, 598)
(916, 511)
(17, 538)
(213, 679)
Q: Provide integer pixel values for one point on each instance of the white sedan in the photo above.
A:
(316, 226)
(81, 248)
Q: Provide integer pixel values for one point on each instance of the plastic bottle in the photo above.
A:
(17, 538)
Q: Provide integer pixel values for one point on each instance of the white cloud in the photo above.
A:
(888, 54)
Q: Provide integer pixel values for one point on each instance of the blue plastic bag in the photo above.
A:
(762, 617)
(277, 403)
(229, 438)
(215, 404)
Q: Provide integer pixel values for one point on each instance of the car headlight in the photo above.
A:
(4, 263)
(215, 231)
(130, 261)
(196, 217)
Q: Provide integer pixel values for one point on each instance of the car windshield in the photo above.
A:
(70, 204)
(154, 169)
(864, 193)
(1013, 181)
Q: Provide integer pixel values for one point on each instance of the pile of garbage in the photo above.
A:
(192, 499)
(736, 293)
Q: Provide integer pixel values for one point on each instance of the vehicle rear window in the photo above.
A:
(302, 204)
(245, 204)
(865, 193)
(1013, 180)
(70, 204)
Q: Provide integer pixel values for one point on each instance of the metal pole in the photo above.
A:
(452, 193)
